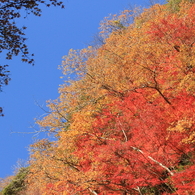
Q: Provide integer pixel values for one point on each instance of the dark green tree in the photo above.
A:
(17, 184)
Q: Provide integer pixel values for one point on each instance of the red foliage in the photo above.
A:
(130, 146)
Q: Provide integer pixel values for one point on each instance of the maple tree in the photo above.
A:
(124, 121)
(131, 148)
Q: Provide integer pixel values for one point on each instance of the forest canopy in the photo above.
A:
(124, 122)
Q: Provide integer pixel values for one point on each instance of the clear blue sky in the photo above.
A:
(49, 37)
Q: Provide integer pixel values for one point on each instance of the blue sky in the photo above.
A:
(49, 37)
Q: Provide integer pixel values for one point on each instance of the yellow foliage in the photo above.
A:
(134, 56)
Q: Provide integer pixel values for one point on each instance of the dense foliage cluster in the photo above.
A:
(125, 123)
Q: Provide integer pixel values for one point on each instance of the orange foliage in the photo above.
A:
(124, 122)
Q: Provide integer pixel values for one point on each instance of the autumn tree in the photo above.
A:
(124, 122)
(137, 153)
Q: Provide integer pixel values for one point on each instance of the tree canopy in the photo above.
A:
(124, 124)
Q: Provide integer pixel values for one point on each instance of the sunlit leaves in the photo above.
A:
(124, 122)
